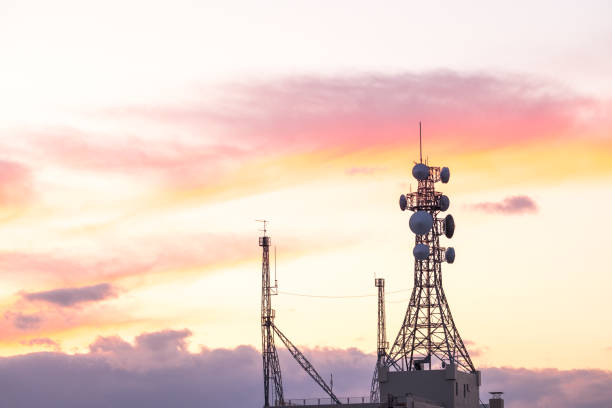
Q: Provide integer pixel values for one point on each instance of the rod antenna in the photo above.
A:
(420, 144)
(265, 222)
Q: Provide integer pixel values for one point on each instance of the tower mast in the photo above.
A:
(428, 335)
(271, 366)
(381, 344)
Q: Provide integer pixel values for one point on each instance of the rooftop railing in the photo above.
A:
(296, 402)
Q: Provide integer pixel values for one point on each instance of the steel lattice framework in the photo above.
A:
(428, 334)
(271, 366)
(382, 344)
(273, 382)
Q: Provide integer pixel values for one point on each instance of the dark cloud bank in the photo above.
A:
(158, 371)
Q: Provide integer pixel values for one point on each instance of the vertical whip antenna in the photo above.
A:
(420, 144)
(275, 281)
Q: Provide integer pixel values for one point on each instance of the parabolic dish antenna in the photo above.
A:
(403, 202)
(444, 203)
(449, 226)
(421, 252)
(444, 174)
(421, 222)
(420, 171)
(449, 255)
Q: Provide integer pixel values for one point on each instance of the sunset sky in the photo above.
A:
(140, 141)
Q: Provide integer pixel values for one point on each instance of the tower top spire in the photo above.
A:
(265, 223)
(420, 144)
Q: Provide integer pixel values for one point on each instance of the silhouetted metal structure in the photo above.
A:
(303, 361)
(271, 366)
(273, 382)
(382, 344)
(428, 336)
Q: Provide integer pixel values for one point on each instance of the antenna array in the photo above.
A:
(428, 335)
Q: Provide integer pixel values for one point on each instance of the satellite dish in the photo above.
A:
(444, 174)
(420, 171)
(449, 255)
(421, 252)
(444, 203)
(421, 222)
(449, 226)
(403, 202)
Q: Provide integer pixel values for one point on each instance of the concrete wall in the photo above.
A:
(447, 387)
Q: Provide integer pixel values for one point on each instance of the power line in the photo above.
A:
(398, 301)
(336, 297)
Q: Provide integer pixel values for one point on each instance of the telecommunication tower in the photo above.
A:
(273, 382)
(271, 366)
(381, 344)
(428, 338)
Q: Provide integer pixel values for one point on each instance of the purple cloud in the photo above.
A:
(520, 204)
(120, 374)
(23, 321)
(550, 387)
(72, 296)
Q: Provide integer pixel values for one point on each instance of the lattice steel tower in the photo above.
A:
(428, 338)
(273, 382)
(381, 343)
(271, 366)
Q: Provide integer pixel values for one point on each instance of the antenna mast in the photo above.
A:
(428, 336)
(382, 343)
(271, 366)
(420, 145)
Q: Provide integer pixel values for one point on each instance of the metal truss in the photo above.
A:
(271, 366)
(303, 361)
(382, 344)
(428, 332)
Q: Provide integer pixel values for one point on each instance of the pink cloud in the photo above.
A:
(42, 341)
(136, 257)
(15, 184)
(362, 111)
(520, 204)
(265, 119)
(171, 160)
(363, 171)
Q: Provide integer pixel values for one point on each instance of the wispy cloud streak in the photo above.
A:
(73, 296)
(520, 204)
(24, 321)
